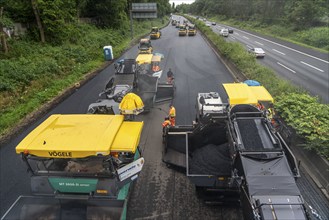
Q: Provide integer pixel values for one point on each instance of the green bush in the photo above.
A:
(317, 37)
(304, 113)
(308, 117)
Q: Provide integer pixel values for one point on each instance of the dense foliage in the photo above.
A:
(300, 110)
(304, 21)
(55, 19)
(300, 13)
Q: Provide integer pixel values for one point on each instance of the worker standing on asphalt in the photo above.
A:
(170, 76)
(172, 115)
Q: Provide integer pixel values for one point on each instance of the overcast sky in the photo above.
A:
(178, 2)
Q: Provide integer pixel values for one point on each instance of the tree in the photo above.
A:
(173, 5)
(2, 33)
(38, 20)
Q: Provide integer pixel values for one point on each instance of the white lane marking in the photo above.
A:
(249, 46)
(312, 66)
(289, 48)
(233, 38)
(286, 67)
(237, 34)
(259, 43)
(245, 37)
(278, 52)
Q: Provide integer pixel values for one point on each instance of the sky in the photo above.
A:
(178, 2)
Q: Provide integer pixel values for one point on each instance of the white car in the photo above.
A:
(224, 32)
(257, 52)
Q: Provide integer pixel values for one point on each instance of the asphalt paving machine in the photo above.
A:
(233, 155)
(81, 168)
(140, 76)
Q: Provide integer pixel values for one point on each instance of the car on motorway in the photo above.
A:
(224, 32)
(230, 30)
(208, 24)
(204, 19)
(213, 23)
(257, 52)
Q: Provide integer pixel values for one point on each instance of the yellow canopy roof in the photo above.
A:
(261, 93)
(241, 93)
(144, 58)
(78, 136)
(131, 104)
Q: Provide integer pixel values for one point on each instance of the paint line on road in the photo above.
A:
(286, 67)
(237, 34)
(233, 38)
(250, 47)
(259, 43)
(278, 52)
(289, 48)
(312, 66)
(245, 37)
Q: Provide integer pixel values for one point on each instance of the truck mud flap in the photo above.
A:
(38, 207)
(175, 143)
(165, 92)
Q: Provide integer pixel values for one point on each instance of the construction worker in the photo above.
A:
(269, 114)
(166, 123)
(260, 106)
(170, 76)
(172, 115)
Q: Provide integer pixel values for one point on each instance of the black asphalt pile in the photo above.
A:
(212, 133)
(211, 160)
(250, 135)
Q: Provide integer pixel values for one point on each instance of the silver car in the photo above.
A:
(257, 52)
(224, 32)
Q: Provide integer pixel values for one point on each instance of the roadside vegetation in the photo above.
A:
(42, 63)
(303, 112)
(300, 21)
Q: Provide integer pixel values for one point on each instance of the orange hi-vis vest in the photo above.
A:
(166, 123)
(172, 112)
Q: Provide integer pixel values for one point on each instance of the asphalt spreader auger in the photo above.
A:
(233, 155)
(81, 167)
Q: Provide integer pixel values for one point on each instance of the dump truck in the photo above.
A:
(145, 46)
(81, 167)
(233, 156)
(155, 33)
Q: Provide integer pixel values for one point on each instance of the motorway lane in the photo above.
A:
(310, 68)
